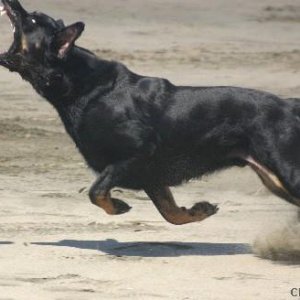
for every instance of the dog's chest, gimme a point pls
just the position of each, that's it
(93, 148)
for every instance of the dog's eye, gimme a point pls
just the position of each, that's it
(33, 21)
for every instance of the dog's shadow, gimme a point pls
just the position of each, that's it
(155, 249)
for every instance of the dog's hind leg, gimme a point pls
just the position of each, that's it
(100, 193)
(166, 205)
(272, 181)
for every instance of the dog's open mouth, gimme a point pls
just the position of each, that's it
(15, 12)
(6, 10)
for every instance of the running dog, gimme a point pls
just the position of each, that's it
(145, 133)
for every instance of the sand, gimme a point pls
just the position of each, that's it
(55, 245)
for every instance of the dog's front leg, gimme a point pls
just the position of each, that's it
(166, 205)
(100, 191)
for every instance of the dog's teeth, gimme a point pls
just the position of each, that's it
(2, 10)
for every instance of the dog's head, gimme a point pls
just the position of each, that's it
(40, 42)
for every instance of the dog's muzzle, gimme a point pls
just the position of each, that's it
(16, 13)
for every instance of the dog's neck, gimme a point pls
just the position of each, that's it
(86, 77)
(82, 72)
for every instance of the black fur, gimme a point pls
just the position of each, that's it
(137, 131)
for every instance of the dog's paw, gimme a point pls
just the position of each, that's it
(120, 206)
(202, 209)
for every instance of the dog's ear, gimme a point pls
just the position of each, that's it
(65, 38)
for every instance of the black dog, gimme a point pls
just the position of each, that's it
(145, 133)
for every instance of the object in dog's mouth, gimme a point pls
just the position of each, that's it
(3, 12)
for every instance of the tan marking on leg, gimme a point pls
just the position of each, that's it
(106, 203)
(181, 216)
(110, 205)
(166, 205)
(271, 181)
(266, 172)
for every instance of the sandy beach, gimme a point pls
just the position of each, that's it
(54, 244)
